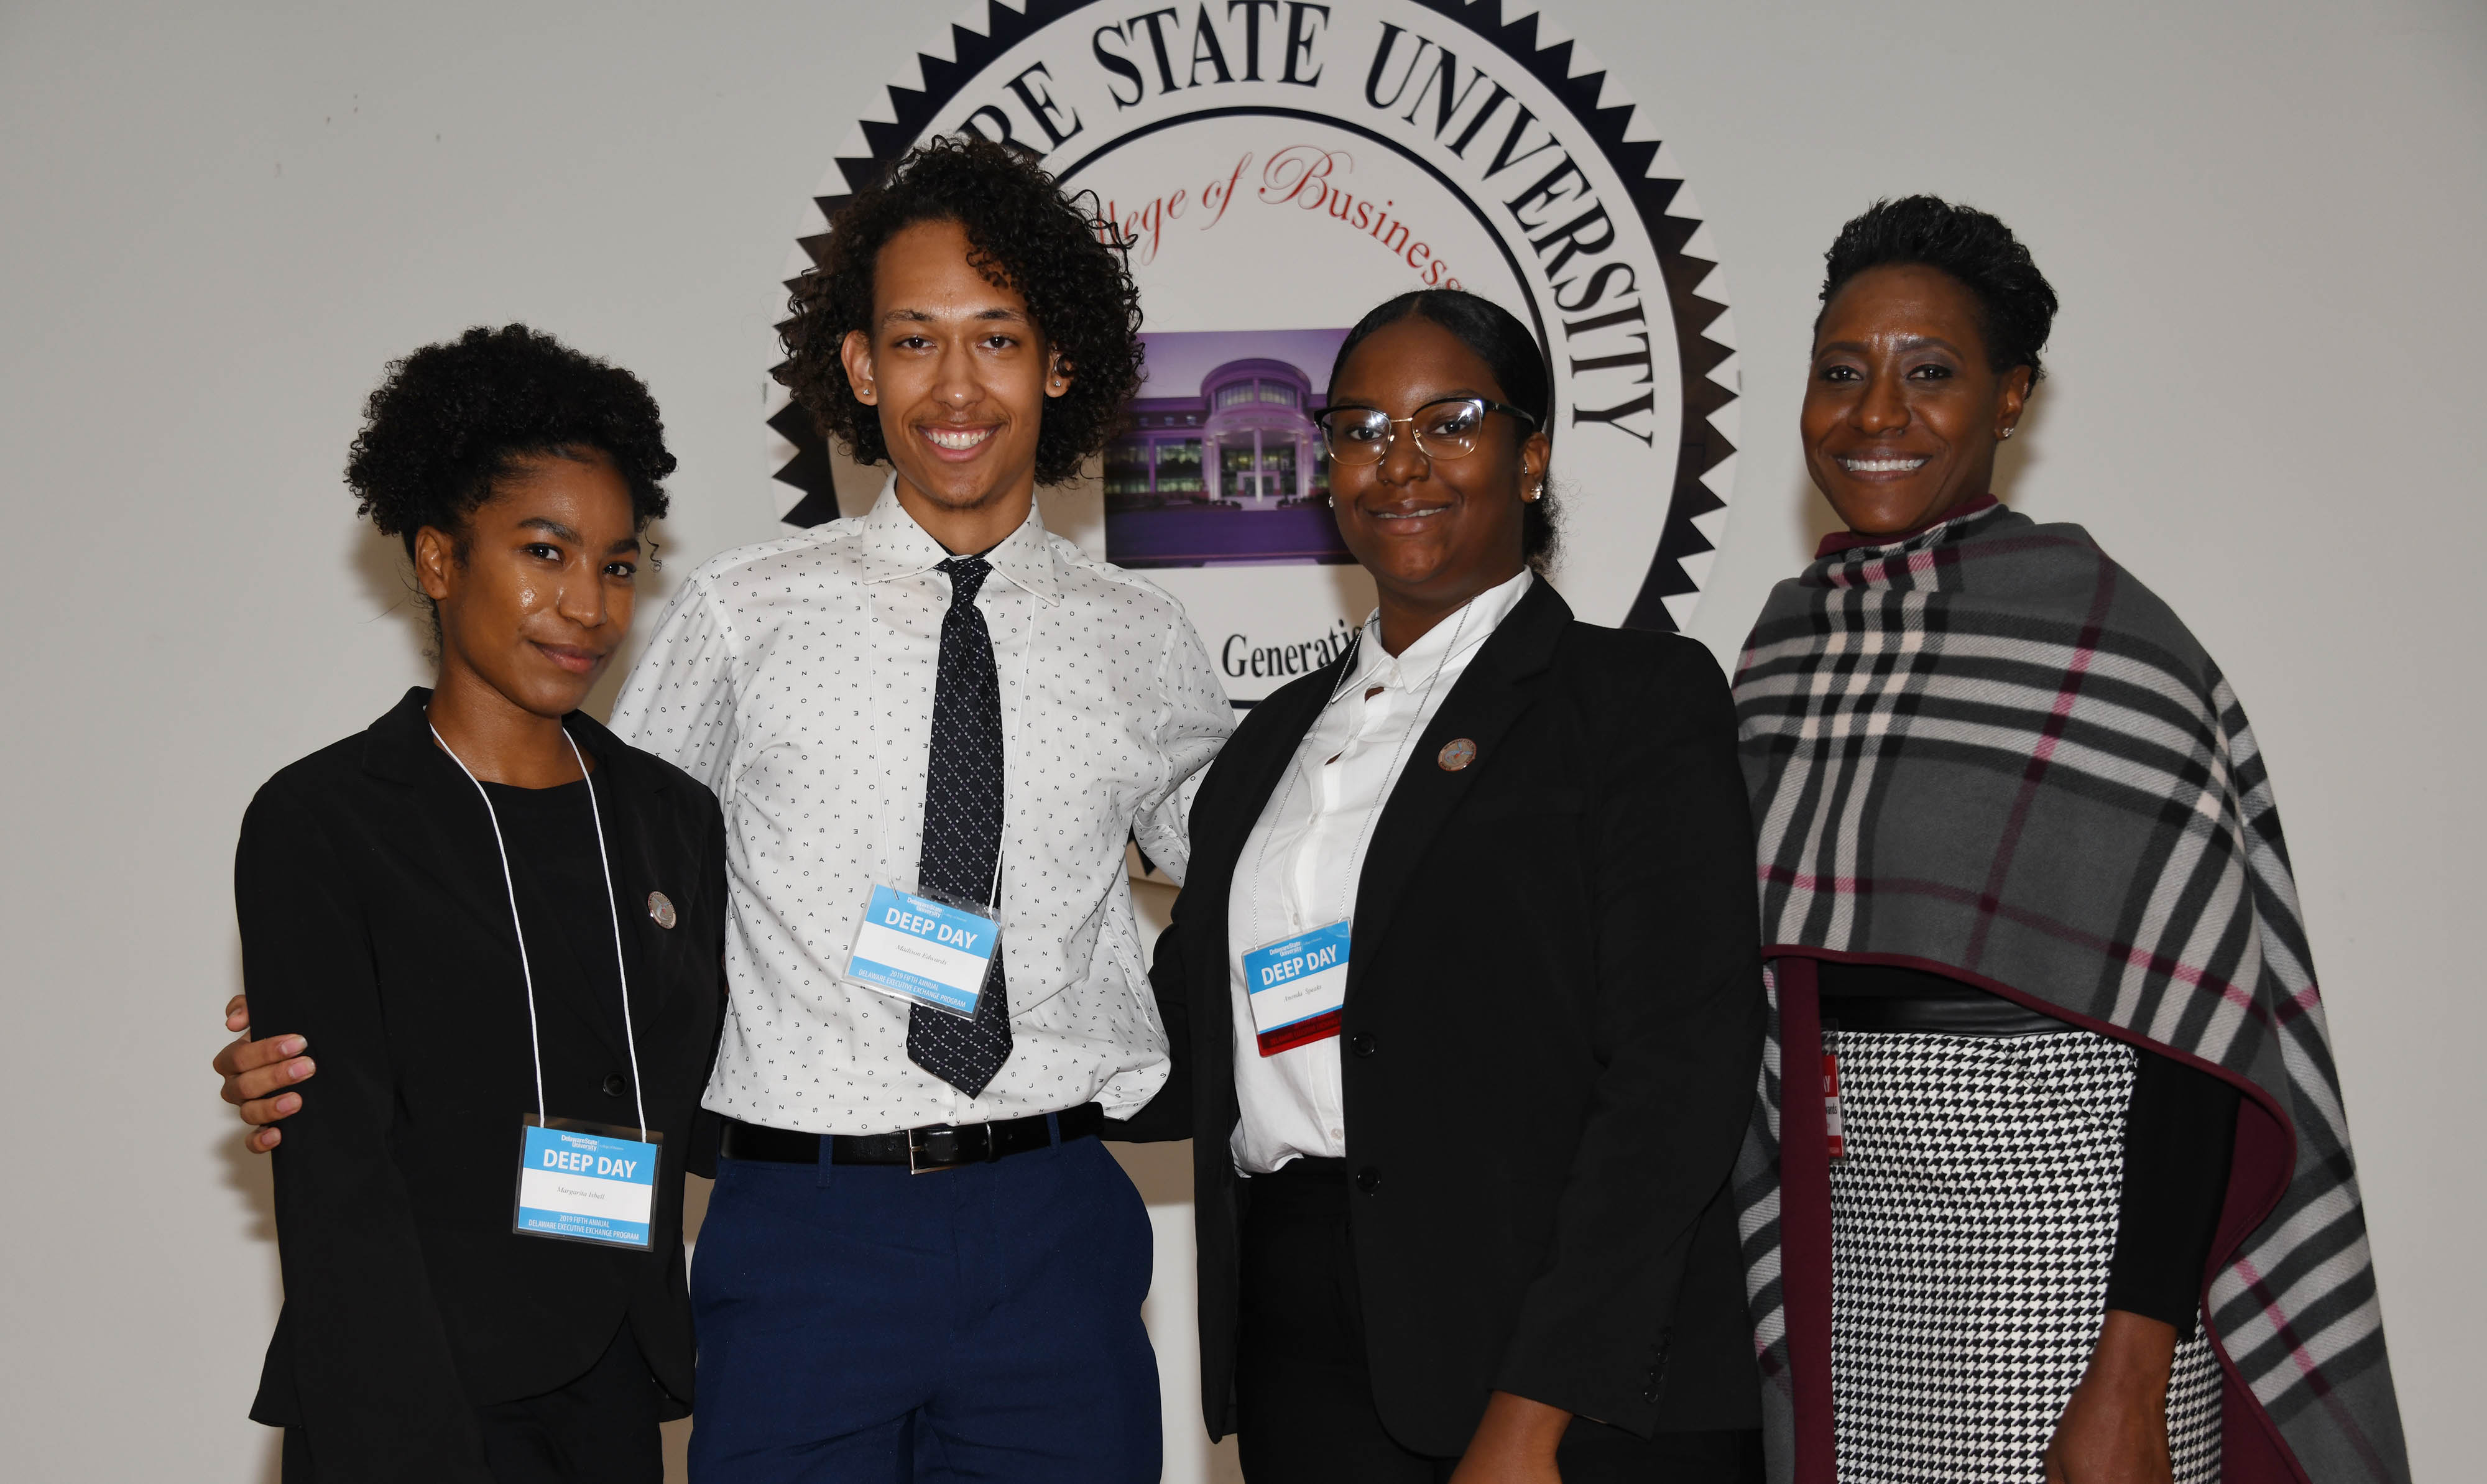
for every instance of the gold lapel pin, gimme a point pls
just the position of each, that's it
(660, 909)
(1457, 753)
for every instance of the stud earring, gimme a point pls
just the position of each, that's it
(2008, 432)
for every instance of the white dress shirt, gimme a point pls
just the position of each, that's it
(796, 679)
(1303, 860)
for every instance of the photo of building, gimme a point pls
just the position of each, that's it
(1221, 463)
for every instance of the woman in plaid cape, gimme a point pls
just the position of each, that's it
(2016, 837)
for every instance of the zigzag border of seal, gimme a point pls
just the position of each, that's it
(1705, 446)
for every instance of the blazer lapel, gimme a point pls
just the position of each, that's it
(401, 750)
(628, 789)
(1494, 693)
(570, 954)
(1265, 754)
(1259, 756)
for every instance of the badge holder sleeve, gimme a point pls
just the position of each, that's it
(586, 1182)
(1296, 987)
(929, 949)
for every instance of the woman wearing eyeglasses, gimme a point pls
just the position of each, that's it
(1463, 989)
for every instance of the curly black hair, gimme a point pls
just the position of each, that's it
(1511, 352)
(451, 419)
(2016, 304)
(1023, 235)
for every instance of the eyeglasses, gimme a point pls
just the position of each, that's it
(1443, 429)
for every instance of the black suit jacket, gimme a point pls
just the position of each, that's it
(375, 922)
(1553, 1028)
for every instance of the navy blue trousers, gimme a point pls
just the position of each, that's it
(857, 1323)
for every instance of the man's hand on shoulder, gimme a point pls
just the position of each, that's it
(258, 1076)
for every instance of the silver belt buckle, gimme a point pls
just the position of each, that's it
(925, 1155)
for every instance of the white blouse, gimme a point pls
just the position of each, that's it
(1301, 863)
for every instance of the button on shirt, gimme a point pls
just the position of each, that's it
(1303, 860)
(796, 679)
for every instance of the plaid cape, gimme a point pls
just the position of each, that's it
(1986, 750)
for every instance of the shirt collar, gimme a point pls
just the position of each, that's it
(1470, 627)
(895, 547)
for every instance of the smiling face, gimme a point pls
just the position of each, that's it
(959, 372)
(1902, 412)
(1433, 533)
(539, 598)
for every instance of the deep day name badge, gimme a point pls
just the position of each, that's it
(924, 951)
(1299, 986)
(584, 1182)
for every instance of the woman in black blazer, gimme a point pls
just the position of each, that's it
(1463, 1208)
(480, 912)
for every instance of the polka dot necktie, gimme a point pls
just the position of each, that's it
(962, 828)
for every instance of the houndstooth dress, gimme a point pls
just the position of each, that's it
(1974, 1215)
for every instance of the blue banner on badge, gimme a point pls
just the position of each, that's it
(586, 1186)
(919, 949)
(1299, 986)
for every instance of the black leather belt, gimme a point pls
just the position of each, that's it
(934, 1147)
(1973, 1012)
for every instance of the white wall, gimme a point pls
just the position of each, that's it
(216, 222)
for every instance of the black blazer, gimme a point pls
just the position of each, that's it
(375, 922)
(1554, 1023)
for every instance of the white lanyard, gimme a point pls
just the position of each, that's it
(1010, 741)
(535, 1038)
(1347, 884)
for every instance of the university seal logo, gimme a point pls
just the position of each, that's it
(1281, 166)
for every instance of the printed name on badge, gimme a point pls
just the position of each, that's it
(924, 951)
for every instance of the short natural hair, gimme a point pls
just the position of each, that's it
(2016, 304)
(1519, 364)
(449, 421)
(1023, 235)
